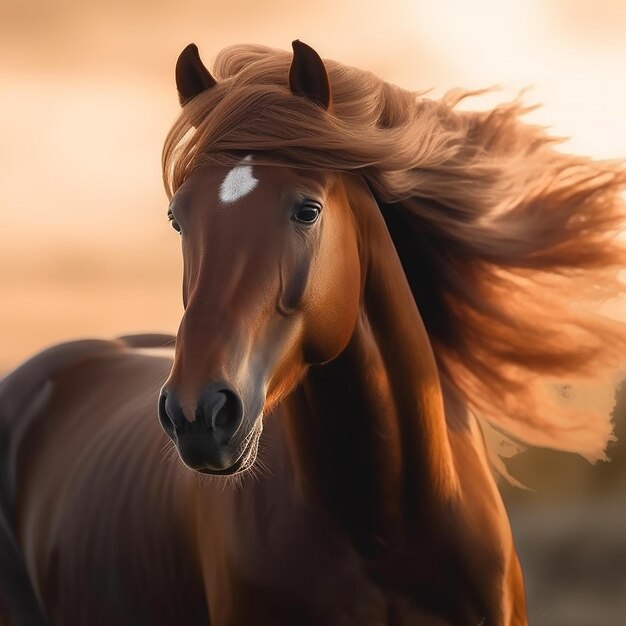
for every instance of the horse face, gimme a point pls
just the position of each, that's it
(271, 285)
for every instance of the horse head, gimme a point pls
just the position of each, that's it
(272, 283)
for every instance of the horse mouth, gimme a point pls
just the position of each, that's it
(248, 450)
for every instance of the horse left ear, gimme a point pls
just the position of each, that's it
(192, 77)
(308, 76)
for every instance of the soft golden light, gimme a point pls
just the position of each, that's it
(87, 96)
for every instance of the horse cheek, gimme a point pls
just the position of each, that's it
(332, 303)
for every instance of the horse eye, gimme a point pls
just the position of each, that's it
(308, 213)
(173, 222)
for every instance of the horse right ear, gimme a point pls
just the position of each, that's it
(308, 76)
(192, 77)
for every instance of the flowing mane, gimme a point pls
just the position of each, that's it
(504, 240)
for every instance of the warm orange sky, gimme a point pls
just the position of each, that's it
(87, 95)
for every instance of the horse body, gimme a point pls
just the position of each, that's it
(115, 534)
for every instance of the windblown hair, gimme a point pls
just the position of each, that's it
(504, 240)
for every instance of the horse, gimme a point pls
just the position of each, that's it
(370, 279)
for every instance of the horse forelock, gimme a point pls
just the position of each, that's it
(503, 239)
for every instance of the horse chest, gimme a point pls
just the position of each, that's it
(299, 569)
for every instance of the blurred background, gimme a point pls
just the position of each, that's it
(87, 95)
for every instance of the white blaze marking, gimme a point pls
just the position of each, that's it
(239, 182)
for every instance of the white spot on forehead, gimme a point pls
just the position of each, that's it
(239, 182)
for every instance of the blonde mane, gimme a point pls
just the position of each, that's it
(505, 241)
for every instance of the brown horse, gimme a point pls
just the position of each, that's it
(363, 270)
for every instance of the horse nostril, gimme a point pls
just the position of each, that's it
(171, 414)
(164, 418)
(220, 408)
(228, 412)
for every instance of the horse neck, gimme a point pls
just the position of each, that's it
(367, 432)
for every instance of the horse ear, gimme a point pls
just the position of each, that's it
(308, 76)
(192, 77)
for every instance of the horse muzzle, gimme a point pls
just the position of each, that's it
(217, 438)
